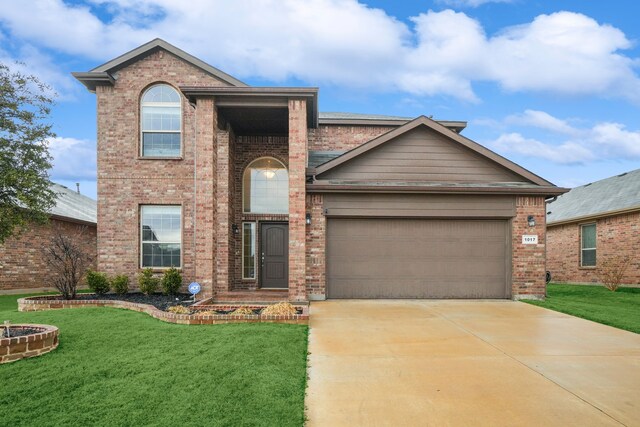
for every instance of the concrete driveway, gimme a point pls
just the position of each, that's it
(457, 363)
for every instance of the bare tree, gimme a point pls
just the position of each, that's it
(67, 260)
(612, 271)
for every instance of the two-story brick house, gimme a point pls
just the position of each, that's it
(254, 194)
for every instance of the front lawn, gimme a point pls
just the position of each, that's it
(121, 368)
(620, 309)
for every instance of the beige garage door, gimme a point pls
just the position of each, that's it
(417, 258)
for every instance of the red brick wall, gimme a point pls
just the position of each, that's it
(339, 137)
(22, 265)
(615, 235)
(315, 234)
(125, 181)
(528, 261)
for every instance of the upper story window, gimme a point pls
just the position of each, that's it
(265, 186)
(588, 245)
(160, 121)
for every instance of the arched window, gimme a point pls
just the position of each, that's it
(265, 187)
(160, 121)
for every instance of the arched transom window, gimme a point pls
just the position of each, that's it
(160, 121)
(266, 187)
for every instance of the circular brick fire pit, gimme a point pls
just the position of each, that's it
(42, 339)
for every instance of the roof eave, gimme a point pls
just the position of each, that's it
(346, 188)
(590, 217)
(456, 126)
(259, 96)
(92, 79)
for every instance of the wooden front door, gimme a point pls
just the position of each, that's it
(274, 255)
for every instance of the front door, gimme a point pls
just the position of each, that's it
(274, 255)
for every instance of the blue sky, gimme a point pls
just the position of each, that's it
(552, 85)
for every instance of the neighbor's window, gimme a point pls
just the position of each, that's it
(249, 250)
(588, 238)
(160, 122)
(266, 187)
(160, 227)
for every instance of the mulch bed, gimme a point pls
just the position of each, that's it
(160, 301)
(17, 332)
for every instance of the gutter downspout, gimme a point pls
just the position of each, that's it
(195, 185)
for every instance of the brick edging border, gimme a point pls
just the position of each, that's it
(16, 348)
(45, 303)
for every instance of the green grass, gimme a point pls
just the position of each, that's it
(121, 368)
(620, 309)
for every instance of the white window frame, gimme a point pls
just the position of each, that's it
(142, 241)
(255, 267)
(160, 104)
(595, 248)
(244, 209)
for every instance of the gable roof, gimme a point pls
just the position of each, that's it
(102, 74)
(614, 195)
(431, 124)
(73, 205)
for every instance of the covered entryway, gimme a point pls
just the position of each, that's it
(417, 258)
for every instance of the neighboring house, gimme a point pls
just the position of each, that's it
(22, 264)
(256, 195)
(592, 223)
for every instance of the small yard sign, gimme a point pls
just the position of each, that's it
(194, 288)
(529, 239)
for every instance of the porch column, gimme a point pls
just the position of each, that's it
(222, 216)
(204, 189)
(297, 169)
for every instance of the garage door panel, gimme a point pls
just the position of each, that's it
(416, 258)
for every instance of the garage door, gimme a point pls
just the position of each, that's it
(417, 258)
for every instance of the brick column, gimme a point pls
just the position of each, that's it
(528, 276)
(316, 232)
(297, 168)
(222, 218)
(205, 193)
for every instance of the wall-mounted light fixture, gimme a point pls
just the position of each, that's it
(235, 229)
(308, 219)
(531, 220)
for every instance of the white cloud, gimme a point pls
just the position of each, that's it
(471, 3)
(31, 61)
(542, 120)
(602, 141)
(343, 42)
(565, 153)
(73, 159)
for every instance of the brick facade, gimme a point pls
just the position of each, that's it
(342, 137)
(125, 181)
(206, 181)
(22, 264)
(617, 235)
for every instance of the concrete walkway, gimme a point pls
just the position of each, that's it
(467, 363)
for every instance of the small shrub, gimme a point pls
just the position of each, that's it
(612, 271)
(97, 282)
(120, 284)
(178, 309)
(280, 309)
(171, 281)
(147, 283)
(242, 311)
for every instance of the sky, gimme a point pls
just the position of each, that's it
(552, 85)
